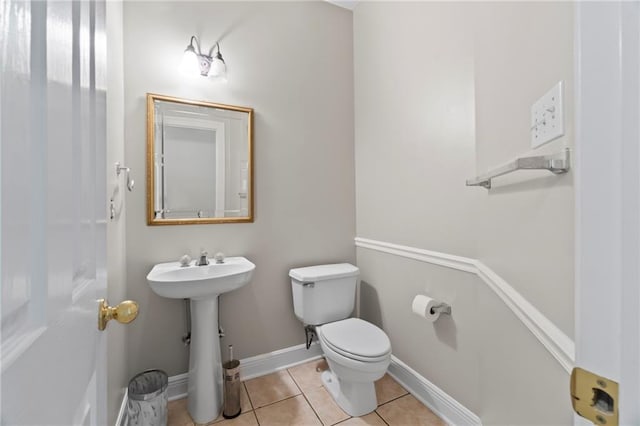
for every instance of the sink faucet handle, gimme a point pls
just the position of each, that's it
(203, 258)
(185, 260)
(219, 257)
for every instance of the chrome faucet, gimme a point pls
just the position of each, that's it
(203, 259)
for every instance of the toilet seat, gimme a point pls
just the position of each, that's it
(356, 339)
(358, 371)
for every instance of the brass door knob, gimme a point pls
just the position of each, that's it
(124, 313)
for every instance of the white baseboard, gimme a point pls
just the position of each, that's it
(264, 364)
(443, 405)
(178, 386)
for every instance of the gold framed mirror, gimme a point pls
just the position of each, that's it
(199, 162)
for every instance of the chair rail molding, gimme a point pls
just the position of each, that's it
(561, 347)
(460, 263)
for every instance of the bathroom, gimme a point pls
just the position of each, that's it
(368, 118)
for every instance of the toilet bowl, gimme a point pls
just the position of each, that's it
(353, 368)
(358, 352)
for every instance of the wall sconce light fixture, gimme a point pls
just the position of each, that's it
(194, 62)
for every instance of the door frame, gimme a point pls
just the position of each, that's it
(607, 197)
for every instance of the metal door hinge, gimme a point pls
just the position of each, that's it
(594, 397)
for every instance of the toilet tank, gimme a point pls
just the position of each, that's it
(324, 293)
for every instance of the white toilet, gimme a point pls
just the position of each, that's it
(358, 352)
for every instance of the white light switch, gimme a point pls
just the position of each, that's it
(547, 117)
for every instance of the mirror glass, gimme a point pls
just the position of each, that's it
(199, 162)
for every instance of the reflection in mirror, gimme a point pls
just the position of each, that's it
(199, 162)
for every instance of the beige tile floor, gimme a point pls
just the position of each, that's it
(296, 397)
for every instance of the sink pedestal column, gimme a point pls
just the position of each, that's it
(205, 367)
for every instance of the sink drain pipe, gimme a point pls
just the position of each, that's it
(186, 338)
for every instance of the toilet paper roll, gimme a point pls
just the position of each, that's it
(422, 305)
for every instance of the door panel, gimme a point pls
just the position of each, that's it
(52, 129)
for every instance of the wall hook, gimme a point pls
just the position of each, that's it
(120, 168)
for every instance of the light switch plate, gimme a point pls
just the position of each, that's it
(547, 117)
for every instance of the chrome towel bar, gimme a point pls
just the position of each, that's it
(555, 163)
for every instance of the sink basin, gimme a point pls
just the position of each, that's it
(202, 285)
(193, 282)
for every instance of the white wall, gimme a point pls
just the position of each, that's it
(527, 222)
(414, 129)
(292, 63)
(442, 93)
(117, 377)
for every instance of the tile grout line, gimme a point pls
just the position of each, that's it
(253, 409)
(275, 402)
(294, 380)
(248, 397)
(393, 399)
(380, 417)
(255, 416)
(313, 409)
(305, 398)
(350, 417)
(406, 392)
(311, 405)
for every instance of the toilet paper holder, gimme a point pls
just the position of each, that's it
(442, 308)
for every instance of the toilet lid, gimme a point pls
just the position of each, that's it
(356, 337)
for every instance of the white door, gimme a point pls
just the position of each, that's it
(608, 201)
(52, 127)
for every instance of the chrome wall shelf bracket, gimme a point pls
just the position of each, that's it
(555, 163)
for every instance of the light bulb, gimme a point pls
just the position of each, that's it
(190, 65)
(218, 68)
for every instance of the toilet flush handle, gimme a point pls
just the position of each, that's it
(311, 285)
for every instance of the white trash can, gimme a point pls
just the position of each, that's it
(147, 399)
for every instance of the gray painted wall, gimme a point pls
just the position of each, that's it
(442, 93)
(304, 177)
(527, 223)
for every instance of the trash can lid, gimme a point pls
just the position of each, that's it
(148, 385)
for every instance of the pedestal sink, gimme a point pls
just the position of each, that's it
(202, 285)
